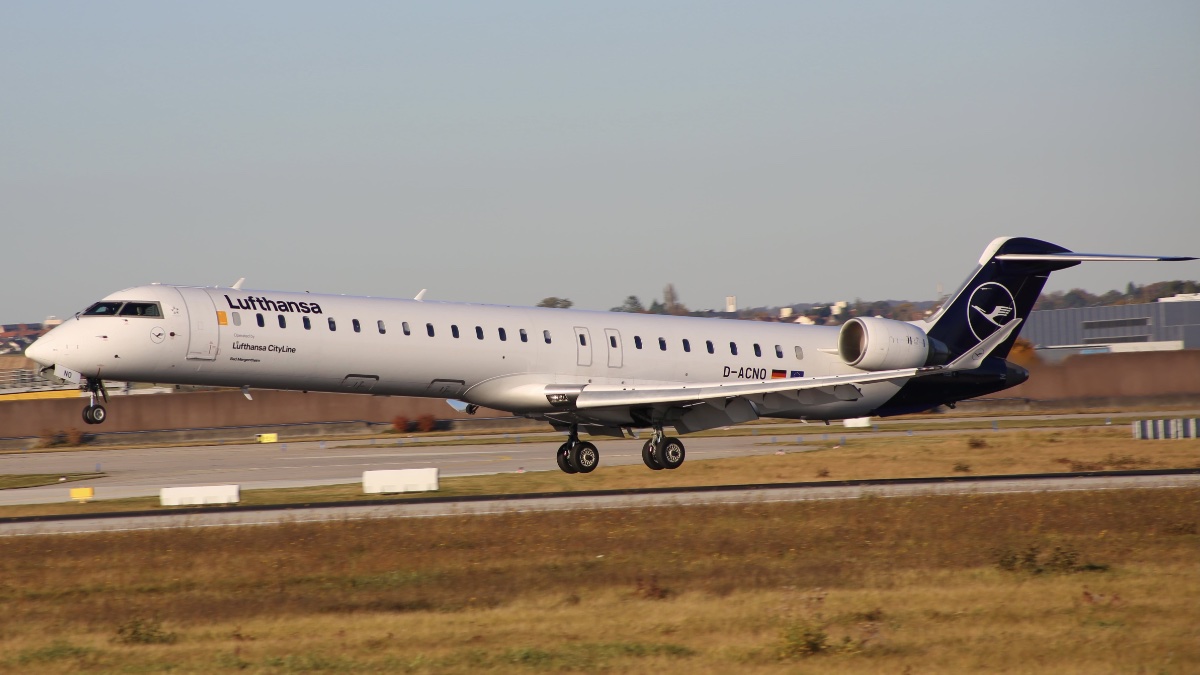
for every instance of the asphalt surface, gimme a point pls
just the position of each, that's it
(564, 503)
(144, 471)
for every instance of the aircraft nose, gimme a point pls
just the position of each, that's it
(41, 352)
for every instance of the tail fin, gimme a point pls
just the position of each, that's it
(1004, 286)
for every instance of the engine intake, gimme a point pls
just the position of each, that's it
(871, 343)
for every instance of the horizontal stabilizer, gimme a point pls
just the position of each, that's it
(1070, 256)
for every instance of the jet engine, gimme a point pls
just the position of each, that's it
(871, 343)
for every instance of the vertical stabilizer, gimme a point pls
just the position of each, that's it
(1003, 287)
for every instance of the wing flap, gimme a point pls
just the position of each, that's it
(840, 387)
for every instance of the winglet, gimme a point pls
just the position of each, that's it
(237, 285)
(420, 295)
(974, 358)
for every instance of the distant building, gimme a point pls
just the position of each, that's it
(1170, 323)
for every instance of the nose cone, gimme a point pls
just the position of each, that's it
(40, 352)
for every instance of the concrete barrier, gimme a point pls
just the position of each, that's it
(857, 422)
(1162, 429)
(400, 480)
(200, 495)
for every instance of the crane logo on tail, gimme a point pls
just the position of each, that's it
(990, 307)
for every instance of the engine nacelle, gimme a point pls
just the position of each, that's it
(871, 343)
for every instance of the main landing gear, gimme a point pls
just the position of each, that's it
(662, 452)
(95, 413)
(577, 456)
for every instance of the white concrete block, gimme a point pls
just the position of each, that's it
(857, 422)
(199, 495)
(392, 481)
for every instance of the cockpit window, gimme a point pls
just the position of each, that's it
(102, 309)
(140, 309)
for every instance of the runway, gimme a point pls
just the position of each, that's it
(612, 500)
(144, 471)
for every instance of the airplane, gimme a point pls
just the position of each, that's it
(603, 373)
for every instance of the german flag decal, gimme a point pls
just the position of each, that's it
(778, 374)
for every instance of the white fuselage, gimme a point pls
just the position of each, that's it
(495, 356)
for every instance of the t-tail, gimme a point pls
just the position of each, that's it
(1004, 287)
(1001, 290)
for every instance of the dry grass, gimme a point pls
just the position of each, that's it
(869, 585)
(24, 480)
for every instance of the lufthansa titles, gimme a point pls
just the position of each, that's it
(275, 349)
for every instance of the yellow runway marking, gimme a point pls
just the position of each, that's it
(34, 395)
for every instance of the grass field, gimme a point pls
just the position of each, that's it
(1058, 582)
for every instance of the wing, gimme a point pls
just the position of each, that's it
(593, 396)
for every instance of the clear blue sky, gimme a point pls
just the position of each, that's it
(504, 152)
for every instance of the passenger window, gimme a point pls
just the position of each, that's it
(687, 346)
(261, 322)
(140, 309)
(582, 340)
(429, 329)
(503, 335)
(454, 330)
(237, 319)
(382, 329)
(733, 348)
(757, 350)
(524, 336)
(637, 341)
(546, 335)
(282, 322)
(479, 332)
(332, 324)
(357, 326)
(779, 351)
(405, 328)
(709, 345)
(612, 341)
(799, 354)
(307, 323)
(102, 309)
(662, 344)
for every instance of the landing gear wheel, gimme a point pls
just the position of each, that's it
(670, 454)
(584, 457)
(94, 414)
(648, 456)
(564, 458)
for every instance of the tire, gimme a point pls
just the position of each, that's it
(99, 414)
(87, 416)
(564, 458)
(671, 454)
(648, 456)
(585, 457)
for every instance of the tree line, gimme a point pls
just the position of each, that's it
(830, 313)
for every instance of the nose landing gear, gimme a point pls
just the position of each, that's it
(95, 413)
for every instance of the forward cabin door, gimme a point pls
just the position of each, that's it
(583, 346)
(613, 337)
(202, 319)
